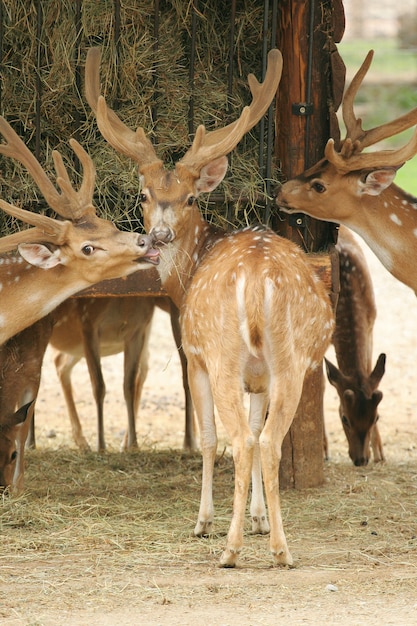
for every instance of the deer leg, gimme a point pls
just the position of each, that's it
(233, 416)
(92, 356)
(282, 408)
(190, 441)
(64, 363)
(135, 372)
(203, 402)
(376, 444)
(258, 408)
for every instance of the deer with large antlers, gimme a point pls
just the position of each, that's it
(355, 188)
(77, 251)
(253, 315)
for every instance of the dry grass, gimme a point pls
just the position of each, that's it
(148, 84)
(143, 506)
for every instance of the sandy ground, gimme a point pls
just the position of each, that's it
(301, 596)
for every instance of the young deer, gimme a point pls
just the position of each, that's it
(20, 372)
(254, 317)
(355, 380)
(355, 188)
(78, 251)
(95, 327)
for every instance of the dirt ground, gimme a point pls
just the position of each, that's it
(314, 592)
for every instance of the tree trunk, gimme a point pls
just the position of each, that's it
(309, 93)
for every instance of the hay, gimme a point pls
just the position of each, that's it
(143, 506)
(146, 81)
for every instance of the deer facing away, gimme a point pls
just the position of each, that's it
(253, 316)
(78, 251)
(355, 380)
(355, 188)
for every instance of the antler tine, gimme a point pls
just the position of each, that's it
(17, 149)
(370, 160)
(80, 202)
(46, 229)
(208, 146)
(68, 204)
(355, 132)
(126, 141)
(354, 128)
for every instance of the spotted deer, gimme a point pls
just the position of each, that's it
(97, 327)
(79, 327)
(77, 251)
(20, 373)
(356, 189)
(254, 317)
(355, 380)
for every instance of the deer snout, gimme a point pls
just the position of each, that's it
(162, 234)
(361, 462)
(149, 253)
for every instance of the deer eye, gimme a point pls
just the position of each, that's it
(345, 421)
(317, 186)
(142, 197)
(190, 201)
(88, 249)
(13, 456)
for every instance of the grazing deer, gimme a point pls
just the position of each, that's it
(355, 380)
(95, 327)
(77, 252)
(355, 188)
(253, 315)
(20, 372)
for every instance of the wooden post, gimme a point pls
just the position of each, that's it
(306, 103)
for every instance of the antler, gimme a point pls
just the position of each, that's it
(70, 204)
(206, 146)
(126, 141)
(47, 229)
(357, 139)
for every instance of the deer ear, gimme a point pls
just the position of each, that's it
(377, 181)
(39, 255)
(212, 175)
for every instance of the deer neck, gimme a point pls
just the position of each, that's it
(180, 259)
(388, 224)
(29, 293)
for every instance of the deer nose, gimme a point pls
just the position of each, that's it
(360, 462)
(145, 242)
(162, 234)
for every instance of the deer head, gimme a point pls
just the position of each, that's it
(203, 166)
(355, 188)
(81, 248)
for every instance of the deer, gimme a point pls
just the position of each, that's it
(254, 316)
(93, 327)
(21, 359)
(356, 189)
(77, 251)
(88, 327)
(355, 380)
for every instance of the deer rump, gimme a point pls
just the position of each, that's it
(245, 313)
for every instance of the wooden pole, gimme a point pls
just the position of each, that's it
(305, 120)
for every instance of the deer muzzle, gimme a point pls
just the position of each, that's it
(150, 253)
(162, 234)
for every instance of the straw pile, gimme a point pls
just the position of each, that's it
(145, 79)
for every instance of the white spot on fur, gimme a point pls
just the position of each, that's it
(394, 218)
